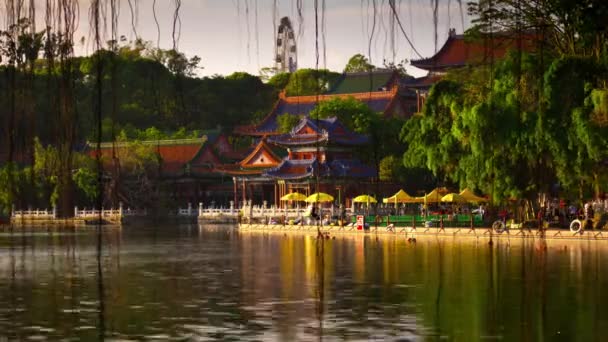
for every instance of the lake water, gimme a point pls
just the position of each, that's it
(194, 283)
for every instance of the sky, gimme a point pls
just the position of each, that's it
(238, 35)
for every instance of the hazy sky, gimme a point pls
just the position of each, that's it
(224, 33)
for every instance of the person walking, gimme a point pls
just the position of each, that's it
(589, 213)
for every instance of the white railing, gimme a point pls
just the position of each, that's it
(248, 210)
(114, 213)
(35, 214)
(84, 213)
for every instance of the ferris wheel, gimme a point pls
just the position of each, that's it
(286, 59)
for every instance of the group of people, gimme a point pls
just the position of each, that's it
(314, 215)
(564, 213)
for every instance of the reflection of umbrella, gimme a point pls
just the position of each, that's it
(319, 197)
(471, 197)
(400, 197)
(294, 196)
(453, 198)
(365, 199)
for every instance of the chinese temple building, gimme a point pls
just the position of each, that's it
(186, 167)
(459, 51)
(248, 174)
(380, 90)
(320, 157)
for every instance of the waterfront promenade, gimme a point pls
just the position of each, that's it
(415, 233)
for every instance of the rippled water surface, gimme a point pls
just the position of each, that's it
(213, 283)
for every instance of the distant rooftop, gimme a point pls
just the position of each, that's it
(361, 82)
(459, 50)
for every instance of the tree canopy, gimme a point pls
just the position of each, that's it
(310, 82)
(358, 63)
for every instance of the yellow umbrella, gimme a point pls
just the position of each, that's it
(433, 196)
(365, 199)
(400, 197)
(453, 198)
(471, 197)
(419, 199)
(294, 196)
(319, 197)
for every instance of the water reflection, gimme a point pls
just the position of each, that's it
(186, 282)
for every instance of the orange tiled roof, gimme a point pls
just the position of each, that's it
(459, 51)
(174, 156)
(380, 101)
(261, 148)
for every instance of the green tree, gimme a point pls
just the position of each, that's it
(352, 113)
(358, 63)
(286, 122)
(279, 81)
(568, 27)
(85, 180)
(310, 82)
(390, 168)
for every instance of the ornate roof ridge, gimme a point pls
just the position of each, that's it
(442, 50)
(424, 63)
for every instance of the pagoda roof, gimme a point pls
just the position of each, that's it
(178, 157)
(312, 131)
(378, 101)
(174, 154)
(261, 156)
(459, 50)
(424, 82)
(174, 157)
(298, 169)
(256, 161)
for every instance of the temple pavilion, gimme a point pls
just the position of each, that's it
(381, 90)
(186, 169)
(316, 153)
(321, 156)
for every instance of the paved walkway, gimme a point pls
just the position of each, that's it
(407, 232)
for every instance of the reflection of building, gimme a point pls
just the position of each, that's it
(460, 51)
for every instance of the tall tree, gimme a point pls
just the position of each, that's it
(358, 63)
